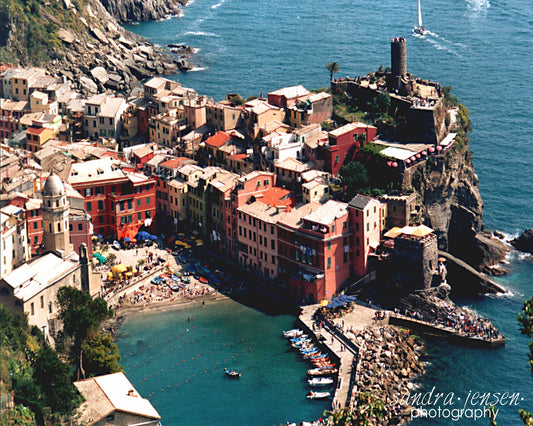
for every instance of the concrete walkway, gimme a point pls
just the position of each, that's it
(346, 354)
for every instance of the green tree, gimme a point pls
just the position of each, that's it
(81, 315)
(332, 67)
(366, 407)
(101, 355)
(354, 177)
(525, 319)
(53, 377)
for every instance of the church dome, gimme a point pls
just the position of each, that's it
(53, 186)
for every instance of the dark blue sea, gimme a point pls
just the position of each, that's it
(484, 49)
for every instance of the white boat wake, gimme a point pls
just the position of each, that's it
(200, 34)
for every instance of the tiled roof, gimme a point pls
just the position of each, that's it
(219, 139)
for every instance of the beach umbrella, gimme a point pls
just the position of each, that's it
(153, 237)
(127, 240)
(431, 149)
(394, 164)
(99, 236)
(119, 268)
(142, 236)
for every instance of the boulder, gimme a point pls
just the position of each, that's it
(88, 84)
(99, 35)
(67, 36)
(100, 74)
(524, 242)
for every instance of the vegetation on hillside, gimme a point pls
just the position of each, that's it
(37, 374)
(29, 30)
(90, 352)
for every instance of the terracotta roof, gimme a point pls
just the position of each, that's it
(276, 197)
(218, 139)
(35, 130)
(239, 156)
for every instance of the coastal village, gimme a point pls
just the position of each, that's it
(121, 197)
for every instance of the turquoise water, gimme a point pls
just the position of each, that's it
(480, 47)
(178, 364)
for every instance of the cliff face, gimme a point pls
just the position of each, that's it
(142, 10)
(81, 41)
(451, 204)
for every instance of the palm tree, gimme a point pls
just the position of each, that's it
(332, 68)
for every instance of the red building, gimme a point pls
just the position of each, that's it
(314, 249)
(116, 200)
(344, 143)
(142, 155)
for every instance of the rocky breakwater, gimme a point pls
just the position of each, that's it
(524, 242)
(99, 55)
(388, 364)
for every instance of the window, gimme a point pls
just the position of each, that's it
(42, 302)
(89, 206)
(130, 218)
(58, 227)
(336, 159)
(329, 245)
(100, 219)
(122, 206)
(80, 227)
(34, 225)
(139, 216)
(368, 227)
(258, 183)
(266, 182)
(273, 244)
(32, 308)
(35, 240)
(344, 225)
(329, 262)
(100, 205)
(129, 205)
(50, 307)
(333, 228)
(70, 227)
(147, 200)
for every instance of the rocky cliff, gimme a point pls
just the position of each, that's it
(82, 41)
(450, 203)
(142, 10)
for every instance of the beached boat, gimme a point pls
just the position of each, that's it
(318, 395)
(232, 373)
(321, 371)
(320, 381)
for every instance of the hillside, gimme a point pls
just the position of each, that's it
(82, 41)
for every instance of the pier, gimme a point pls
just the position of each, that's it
(445, 332)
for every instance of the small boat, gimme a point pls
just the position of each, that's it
(295, 332)
(203, 280)
(317, 395)
(419, 29)
(320, 356)
(320, 381)
(232, 373)
(321, 371)
(300, 338)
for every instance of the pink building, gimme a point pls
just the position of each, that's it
(257, 230)
(367, 216)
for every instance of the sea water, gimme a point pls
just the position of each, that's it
(480, 47)
(176, 359)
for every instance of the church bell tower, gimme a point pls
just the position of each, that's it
(55, 217)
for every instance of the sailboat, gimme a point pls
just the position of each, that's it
(419, 29)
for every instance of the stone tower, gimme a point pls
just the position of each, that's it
(55, 217)
(398, 53)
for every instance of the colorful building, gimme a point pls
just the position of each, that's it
(115, 199)
(367, 217)
(344, 143)
(314, 249)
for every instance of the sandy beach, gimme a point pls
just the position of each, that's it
(138, 294)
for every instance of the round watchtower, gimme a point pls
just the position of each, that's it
(398, 53)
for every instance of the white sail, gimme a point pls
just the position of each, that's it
(419, 15)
